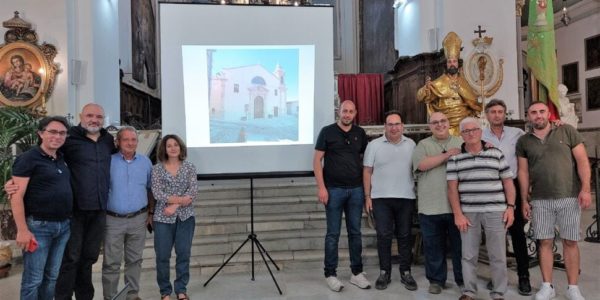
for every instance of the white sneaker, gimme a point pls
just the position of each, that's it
(334, 284)
(360, 281)
(573, 293)
(546, 292)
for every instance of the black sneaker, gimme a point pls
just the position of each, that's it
(408, 281)
(524, 286)
(383, 280)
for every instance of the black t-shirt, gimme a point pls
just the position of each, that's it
(343, 155)
(48, 196)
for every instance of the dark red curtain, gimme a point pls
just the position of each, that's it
(366, 91)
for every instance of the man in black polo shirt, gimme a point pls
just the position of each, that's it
(339, 148)
(42, 217)
(87, 151)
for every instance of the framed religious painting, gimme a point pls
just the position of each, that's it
(592, 52)
(570, 77)
(27, 70)
(22, 69)
(592, 87)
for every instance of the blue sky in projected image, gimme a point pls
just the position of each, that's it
(268, 58)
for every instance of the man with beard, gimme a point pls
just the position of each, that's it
(87, 153)
(553, 162)
(337, 165)
(450, 93)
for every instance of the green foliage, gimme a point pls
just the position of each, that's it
(17, 128)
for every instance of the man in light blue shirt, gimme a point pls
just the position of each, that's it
(129, 208)
(505, 138)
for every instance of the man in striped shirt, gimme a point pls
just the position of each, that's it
(481, 193)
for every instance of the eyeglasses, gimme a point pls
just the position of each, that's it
(440, 122)
(56, 132)
(470, 131)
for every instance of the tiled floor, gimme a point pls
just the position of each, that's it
(310, 284)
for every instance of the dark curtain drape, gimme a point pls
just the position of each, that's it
(366, 91)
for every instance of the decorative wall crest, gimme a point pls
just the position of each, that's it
(482, 69)
(27, 70)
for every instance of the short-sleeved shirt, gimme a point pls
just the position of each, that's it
(343, 155)
(432, 187)
(48, 195)
(552, 167)
(506, 143)
(391, 163)
(129, 183)
(479, 179)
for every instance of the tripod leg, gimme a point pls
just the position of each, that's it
(260, 250)
(253, 238)
(225, 263)
(260, 246)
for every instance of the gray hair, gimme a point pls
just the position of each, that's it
(468, 120)
(126, 128)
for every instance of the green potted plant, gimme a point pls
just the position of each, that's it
(17, 133)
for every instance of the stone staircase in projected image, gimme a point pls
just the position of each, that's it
(288, 220)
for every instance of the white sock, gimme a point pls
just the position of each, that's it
(571, 286)
(547, 284)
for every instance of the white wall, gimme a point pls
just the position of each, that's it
(85, 30)
(50, 23)
(570, 48)
(462, 17)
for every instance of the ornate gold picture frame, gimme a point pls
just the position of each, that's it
(27, 70)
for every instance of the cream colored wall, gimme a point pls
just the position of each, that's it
(50, 23)
(84, 30)
(498, 18)
(569, 49)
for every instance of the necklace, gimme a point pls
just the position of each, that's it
(444, 146)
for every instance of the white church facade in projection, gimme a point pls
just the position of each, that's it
(248, 93)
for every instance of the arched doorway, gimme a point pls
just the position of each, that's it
(259, 108)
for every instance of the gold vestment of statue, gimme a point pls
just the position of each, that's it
(452, 97)
(450, 94)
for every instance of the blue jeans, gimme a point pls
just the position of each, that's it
(348, 201)
(180, 235)
(40, 268)
(393, 217)
(436, 231)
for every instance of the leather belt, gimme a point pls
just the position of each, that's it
(129, 215)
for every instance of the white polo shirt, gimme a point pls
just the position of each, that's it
(392, 168)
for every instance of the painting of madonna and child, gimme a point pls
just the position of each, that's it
(19, 80)
(251, 95)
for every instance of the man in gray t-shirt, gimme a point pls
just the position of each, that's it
(389, 193)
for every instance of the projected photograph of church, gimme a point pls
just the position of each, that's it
(253, 95)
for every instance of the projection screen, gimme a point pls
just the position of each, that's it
(247, 87)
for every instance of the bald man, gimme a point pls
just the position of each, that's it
(337, 165)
